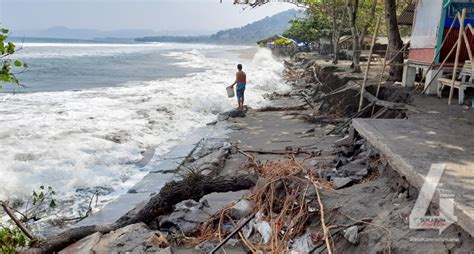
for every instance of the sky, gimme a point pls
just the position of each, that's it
(158, 15)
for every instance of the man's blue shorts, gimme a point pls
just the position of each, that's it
(240, 90)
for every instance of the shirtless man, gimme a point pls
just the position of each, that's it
(240, 81)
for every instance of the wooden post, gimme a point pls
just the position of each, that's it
(374, 39)
(440, 67)
(468, 46)
(458, 52)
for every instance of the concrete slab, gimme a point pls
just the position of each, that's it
(165, 166)
(152, 183)
(115, 209)
(218, 201)
(412, 146)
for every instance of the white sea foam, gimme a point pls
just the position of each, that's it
(68, 50)
(63, 139)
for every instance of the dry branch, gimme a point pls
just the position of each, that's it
(12, 216)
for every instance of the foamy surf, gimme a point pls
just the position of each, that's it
(90, 139)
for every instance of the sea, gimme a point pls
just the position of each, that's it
(87, 111)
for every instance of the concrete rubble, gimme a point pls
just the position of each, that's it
(136, 238)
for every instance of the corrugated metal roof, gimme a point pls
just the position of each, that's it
(407, 16)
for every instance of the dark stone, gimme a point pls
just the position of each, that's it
(341, 182)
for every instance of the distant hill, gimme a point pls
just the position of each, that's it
(65, 33)
(248, 34)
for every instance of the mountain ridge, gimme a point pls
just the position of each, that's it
(247, 34)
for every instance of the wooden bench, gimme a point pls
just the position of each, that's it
(465, 80)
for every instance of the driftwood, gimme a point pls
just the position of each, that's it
(285, 152)
(193, 187)
(289, 108)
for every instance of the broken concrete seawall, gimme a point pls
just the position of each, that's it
(162, 169)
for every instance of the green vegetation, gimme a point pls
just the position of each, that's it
(309, 29)
(11, 238)
(37, 206)
(7, 49)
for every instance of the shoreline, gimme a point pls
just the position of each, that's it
(165, 166)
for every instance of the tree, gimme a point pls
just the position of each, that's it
(352, 10)
(309, 29)
(7, 64)
(395, 43)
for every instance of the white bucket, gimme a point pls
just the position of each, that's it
(230, 92)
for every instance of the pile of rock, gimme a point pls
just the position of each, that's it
(355, 161)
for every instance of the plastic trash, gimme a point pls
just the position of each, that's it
(352, 234)
(302, 244)
(230, 92)
(263, 228)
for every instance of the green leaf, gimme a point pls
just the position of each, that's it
(11, 48)
(5, 31)
(18, 63)
(52, 204)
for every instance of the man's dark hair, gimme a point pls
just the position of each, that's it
(239, 66)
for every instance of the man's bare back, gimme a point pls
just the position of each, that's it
(241, 77)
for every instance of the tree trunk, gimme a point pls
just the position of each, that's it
(365, 31)
(352, 10)
(194, 187)
(395, 42)
(335, 36)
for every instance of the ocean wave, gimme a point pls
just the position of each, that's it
(87, 139)
(70, 50)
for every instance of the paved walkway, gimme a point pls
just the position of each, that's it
(441, 134)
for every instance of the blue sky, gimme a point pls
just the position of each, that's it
(158, 15)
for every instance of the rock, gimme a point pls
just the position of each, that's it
(347, 140)
(83, 246)
(232, 114)
(135, 238)
(341, 182)
(352, 234)
(347, 151)
(355, 170)
(241, 209)
(187, 216)
(237, 113)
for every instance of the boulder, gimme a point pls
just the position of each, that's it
(341, 182)
(133, 239)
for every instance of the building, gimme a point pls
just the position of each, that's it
(431, 21)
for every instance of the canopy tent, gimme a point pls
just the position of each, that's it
(277, 40)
